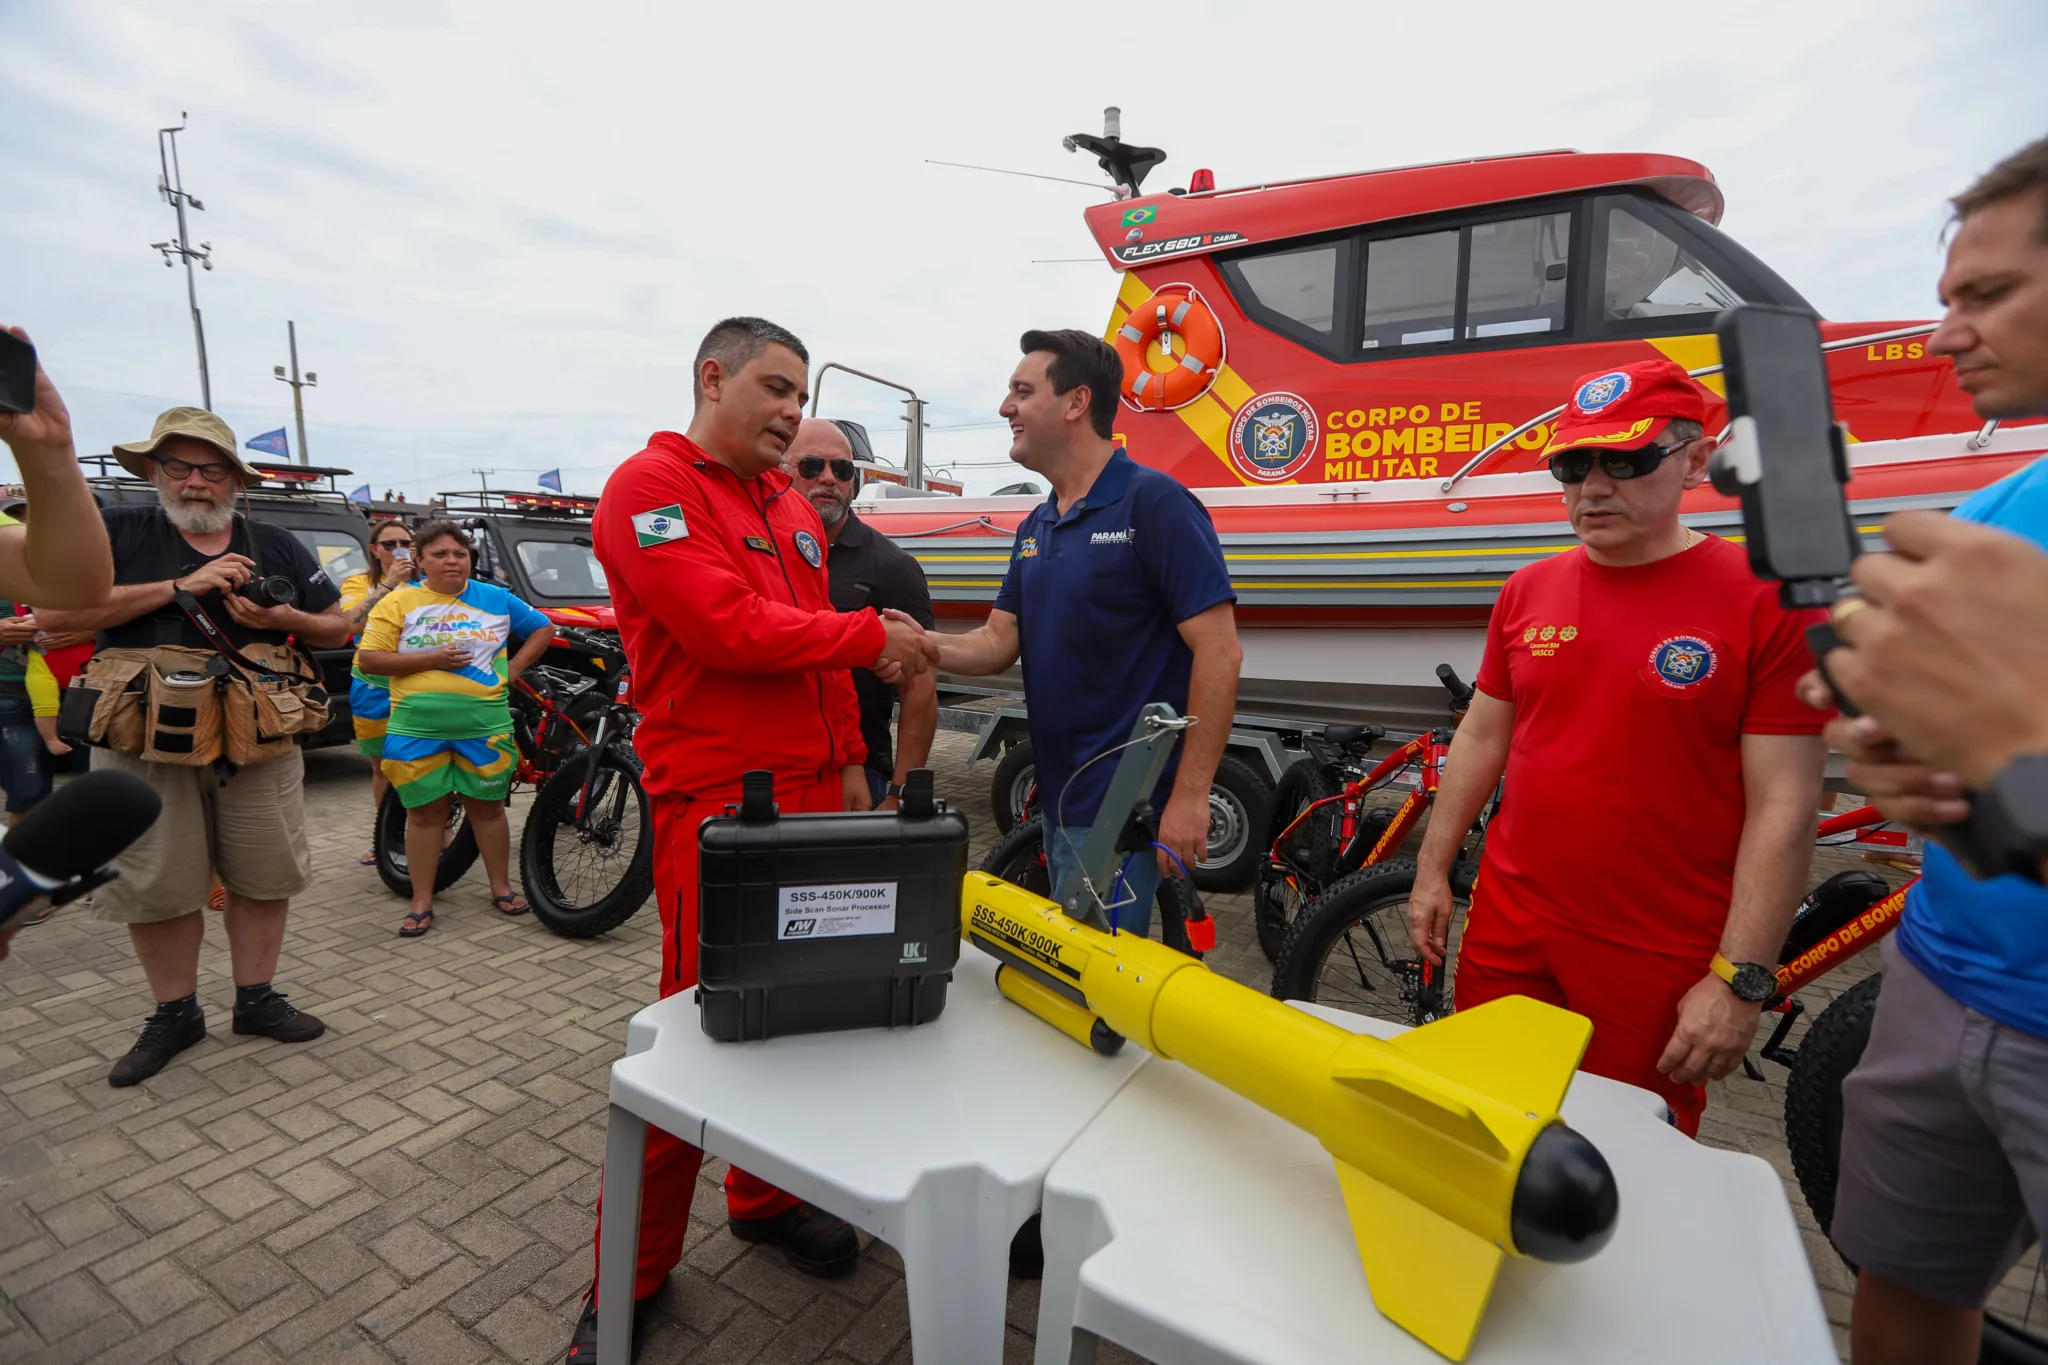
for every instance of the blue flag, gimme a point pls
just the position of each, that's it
(552, 479)
(361, 494)
(271, 443)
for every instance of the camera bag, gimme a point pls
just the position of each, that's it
(813, 923)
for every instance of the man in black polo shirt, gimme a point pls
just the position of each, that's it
(249, 824)
(867, 569)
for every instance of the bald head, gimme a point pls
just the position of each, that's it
(829, 492)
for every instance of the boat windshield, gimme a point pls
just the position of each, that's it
(565, 569)
(1651, 276)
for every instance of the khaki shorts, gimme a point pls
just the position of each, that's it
(1944, 1180)
(252, 829)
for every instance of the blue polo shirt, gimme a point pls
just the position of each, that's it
(1986, 943)
(1099, 595)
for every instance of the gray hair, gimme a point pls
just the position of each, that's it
(735, 342)
(1682, 431)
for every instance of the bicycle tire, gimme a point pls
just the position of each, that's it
(1276, 903)
(388, 844)
(1019, 859)
(553, 812)
(1365, 898)
(1833, 1044)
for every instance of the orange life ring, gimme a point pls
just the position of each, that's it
(1183, 327)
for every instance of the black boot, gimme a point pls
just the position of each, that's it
(815, 1242)
(166, 1034)
(583, 1346)
(272, 1016)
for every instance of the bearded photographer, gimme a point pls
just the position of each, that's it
(186, 563)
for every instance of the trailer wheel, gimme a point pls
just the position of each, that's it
(1240, 806)
(1010, 791)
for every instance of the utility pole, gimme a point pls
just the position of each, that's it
(171, 185)
(483, 477)
(291, 331)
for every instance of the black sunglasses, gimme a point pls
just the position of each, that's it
(1621, 465)
(811, 466)
(182, 469)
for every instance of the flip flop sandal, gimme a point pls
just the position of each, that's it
(368, 859)
(505, 906)
(421, 921)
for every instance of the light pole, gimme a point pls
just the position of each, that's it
(171, 185)
(311, 380)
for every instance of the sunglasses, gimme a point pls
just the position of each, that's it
(390, 541)
(1622, 465)
(811, 466)
(182, 469)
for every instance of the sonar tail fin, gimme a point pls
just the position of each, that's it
(1426, 1273)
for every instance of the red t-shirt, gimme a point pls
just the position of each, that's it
(1632, 690)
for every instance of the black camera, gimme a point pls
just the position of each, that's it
(269, 590)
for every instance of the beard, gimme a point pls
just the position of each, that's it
(195, 516)
(831, 510)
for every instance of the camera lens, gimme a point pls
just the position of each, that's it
(270, 590)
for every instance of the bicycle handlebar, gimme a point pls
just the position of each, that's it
(1461, 693)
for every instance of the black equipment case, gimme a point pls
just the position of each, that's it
(811, 923)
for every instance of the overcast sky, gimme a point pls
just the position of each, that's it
(502, 227)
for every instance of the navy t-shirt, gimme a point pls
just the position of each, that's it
(1099, 595)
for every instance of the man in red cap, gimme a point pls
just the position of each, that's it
(717, 571)
(1638, 692)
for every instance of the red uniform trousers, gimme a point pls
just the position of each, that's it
(670, 1178)
(1630, 994)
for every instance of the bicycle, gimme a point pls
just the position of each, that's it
(559, 714)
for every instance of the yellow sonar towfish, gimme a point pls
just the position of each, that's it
(1449, 1149)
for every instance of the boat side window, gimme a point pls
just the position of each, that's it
(1651, 276)
(1299, 284)
(1515, 280)
(1411, 291)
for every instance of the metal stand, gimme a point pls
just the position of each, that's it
(1137, 776)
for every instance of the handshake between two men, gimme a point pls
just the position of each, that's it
(907, 651)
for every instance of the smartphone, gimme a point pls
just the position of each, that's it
(17, 374)
(1784, 456)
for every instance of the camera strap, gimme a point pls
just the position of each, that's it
(218, 641)
(176, 558)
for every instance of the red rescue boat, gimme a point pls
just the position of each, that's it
(1368, 371)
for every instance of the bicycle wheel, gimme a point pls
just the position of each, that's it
(1019, 859)
(457, 855)
(587, 860)
(1351, 949)
(1287, 884)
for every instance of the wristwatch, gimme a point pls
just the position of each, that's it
(2011, 819)
(894, 789)
(1751, 981)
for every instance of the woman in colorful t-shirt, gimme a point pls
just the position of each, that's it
(369, 697)
(443, 642)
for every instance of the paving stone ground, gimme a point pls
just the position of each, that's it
(417, 1186)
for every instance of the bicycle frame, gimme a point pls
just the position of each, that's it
(1429, 750)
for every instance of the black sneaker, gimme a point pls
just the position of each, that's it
(163, 1037)
(815, 1242)
(275, 1017)
(1027, 1251)
(583, 1346)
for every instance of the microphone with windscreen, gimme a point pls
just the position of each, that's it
(60, 850)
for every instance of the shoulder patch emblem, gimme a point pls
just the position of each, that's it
(661, 524)
(760, 543)
(807, 546)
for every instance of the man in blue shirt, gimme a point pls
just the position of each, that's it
(1116, 596)
(1944, 1156)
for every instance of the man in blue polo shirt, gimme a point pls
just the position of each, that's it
(1944, 1156)
(1116, 596)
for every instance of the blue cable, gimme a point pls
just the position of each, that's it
(1171, 854)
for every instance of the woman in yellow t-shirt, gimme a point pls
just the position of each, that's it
(369, 696)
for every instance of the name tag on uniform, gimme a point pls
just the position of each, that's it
(760, 543)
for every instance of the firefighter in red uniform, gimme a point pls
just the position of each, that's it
(717, 573)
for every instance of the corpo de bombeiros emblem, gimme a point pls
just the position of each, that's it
(1273, 437)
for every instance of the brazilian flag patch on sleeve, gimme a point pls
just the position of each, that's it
(661, 524)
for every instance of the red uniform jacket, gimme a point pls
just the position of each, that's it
(738, 659)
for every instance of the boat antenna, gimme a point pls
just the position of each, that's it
(1125, 163)
(998, 170)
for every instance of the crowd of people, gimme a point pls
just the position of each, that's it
(1649, 895)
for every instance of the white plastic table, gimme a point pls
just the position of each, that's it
(1190, 1226)
(936, 1139)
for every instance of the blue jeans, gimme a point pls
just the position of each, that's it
(24, 763)
(1133, 894)
(878, 785)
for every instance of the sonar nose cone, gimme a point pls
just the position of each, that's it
(1565, 1199)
